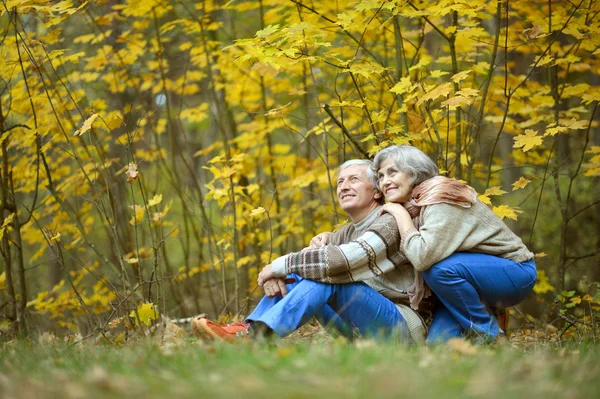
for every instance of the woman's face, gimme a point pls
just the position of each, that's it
(395, 185)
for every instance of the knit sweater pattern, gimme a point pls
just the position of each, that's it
(475, 229)
(367, 251)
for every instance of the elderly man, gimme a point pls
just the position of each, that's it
(359, 282)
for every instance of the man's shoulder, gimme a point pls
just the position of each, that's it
(385, 224)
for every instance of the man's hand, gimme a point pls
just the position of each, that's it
(320, 240)
(265, 275)
(274, 287)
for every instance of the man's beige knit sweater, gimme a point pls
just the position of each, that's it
(367, 251)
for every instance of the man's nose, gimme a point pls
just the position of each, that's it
(344, 185)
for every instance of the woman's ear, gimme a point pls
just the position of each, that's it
(377, 194)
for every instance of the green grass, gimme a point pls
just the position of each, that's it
(297, 370)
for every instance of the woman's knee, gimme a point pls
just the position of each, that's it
(446, 268)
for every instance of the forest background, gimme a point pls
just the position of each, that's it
(157, 154)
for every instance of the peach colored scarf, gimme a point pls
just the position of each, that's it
(437, 190)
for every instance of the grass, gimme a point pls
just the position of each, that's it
(297, 369)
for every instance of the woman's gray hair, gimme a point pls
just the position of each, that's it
(372, 176)
(408, 159)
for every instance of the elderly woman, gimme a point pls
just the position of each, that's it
(469, 258)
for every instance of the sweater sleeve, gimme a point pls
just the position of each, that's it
(363, 258)
(445, 228)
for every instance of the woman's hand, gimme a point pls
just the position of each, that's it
(393, 209)
(320, 240)
(401, 215)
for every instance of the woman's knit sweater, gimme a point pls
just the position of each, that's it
(445, 229)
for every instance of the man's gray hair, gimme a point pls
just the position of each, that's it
(363, 162)
(408, 159)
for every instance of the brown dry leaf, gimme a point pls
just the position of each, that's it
(132, 172)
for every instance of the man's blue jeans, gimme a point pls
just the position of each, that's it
(468, 283)
(345, 307)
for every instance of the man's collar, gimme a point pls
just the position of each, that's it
(369, 219)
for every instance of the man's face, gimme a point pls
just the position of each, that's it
(354, 189)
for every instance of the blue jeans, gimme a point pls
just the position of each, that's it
(443, 327)
(345, 307)
(468, 283)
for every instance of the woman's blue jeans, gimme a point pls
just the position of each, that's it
(468, 283)
(345, 308)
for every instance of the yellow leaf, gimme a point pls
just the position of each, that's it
(521, 183)
(5, 224)
(485, 199)
(3, 281)
(86, 125)
(267, 31)
(404, 86)
(258, 211)
(575, 124)
(540, 255)
(505, 211)
(494, 191)
(468, 92)
(146, 313)
(456, 101)
(157, 199)
(440, 91)
(460, 76)
(528, 140)
(542, 284)
(139, 215)
(438, 73)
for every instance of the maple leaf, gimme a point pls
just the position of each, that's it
(87, 125)
(438, 73)
(553, 131)
(505, 211)
(132, 172)
(157, 199)
(528, 140)
(521, 183)
(146, 313)
(494, 191)
(258, 211)
(403, 86)
(468, 92)
(267, 31)
(460, 76)
(456, 101)
(575, 124)
(440, 91)
(345, 20)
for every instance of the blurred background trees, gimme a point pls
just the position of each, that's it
(162, 152)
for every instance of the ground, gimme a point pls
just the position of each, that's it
(305, 365)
